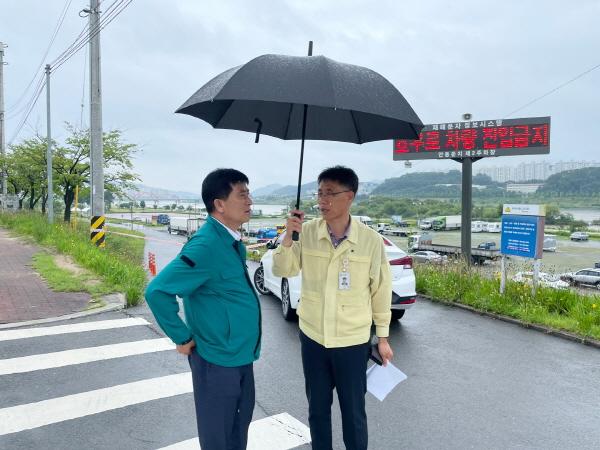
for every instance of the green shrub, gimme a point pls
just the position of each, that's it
(562, 309)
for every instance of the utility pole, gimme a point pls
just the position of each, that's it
(96, 150)
(3, 178)
(49, 150)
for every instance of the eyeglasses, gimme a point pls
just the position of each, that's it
(327, 195)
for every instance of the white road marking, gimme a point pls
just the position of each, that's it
(82, 355)
(9, 335)
(33, 415)
(279, 432)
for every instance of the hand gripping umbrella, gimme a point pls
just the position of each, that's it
(307, 97)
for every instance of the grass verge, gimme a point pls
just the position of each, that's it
(561, 309)
(119, 265)
(63, 280)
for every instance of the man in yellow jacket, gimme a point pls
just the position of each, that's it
(346, 286)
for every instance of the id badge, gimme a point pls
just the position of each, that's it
(344, 281)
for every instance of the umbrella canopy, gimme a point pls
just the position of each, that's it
(310, 97)
(267, 95)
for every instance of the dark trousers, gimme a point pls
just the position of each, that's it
(344, 369)
(224, 398)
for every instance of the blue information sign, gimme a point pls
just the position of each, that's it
(522, 236)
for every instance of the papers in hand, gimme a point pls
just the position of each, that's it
(382, 379)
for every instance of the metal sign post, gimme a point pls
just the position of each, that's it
(523, 236)
(503, 274)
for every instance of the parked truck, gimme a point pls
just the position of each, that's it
(386, 229)
(365, 219)
(494, 227)
(424, 241)
(446, 223)
(478, 226)
(184, 226)
(425, 224)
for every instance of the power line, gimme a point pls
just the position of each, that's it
(83, 88)
(57, 28)
(111, 14)
(114, 10)
(31, 104)
(553, 90)
(25, 106)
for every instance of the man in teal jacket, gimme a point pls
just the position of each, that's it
(222, 329)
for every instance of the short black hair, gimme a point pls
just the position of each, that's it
(218, 185)
(342, 175)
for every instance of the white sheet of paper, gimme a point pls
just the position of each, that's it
(382, 379)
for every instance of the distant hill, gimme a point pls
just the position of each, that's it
(429, 184)
(267, 190)
(144, 192)
(573, 182)
(308, 190)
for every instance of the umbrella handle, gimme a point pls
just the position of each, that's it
(258, 128)
(295, 234)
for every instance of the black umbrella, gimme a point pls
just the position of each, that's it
(308, 97)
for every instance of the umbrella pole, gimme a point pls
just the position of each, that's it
(295, 235)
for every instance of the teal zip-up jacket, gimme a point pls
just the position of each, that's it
(222, 310)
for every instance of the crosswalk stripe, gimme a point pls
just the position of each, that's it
(279, 432)
(82, 355)
(33, 415)
(9, 335)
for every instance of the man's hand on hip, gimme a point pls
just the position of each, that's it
(186, 349)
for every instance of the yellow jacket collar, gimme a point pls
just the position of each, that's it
(323, 233)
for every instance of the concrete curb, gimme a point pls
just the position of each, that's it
(114, 302)
(533, 326)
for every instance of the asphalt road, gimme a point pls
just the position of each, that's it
(473, 382)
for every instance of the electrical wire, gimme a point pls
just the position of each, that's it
(83, 89)
(553, 90)
(31, 104)
(57, 28)
(112, 12)
(16, 113)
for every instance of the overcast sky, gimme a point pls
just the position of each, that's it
(447, 58)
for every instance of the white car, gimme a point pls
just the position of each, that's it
(288, 289)
(579, 236)
(428, 256)
(545, 279)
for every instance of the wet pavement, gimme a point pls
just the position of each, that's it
(473, 382)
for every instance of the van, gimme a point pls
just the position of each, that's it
(477, 226)
(494, 227)
(426, 224)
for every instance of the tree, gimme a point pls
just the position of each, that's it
(73, 165)
(26, 168)
(109, 198)
(142, 204)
